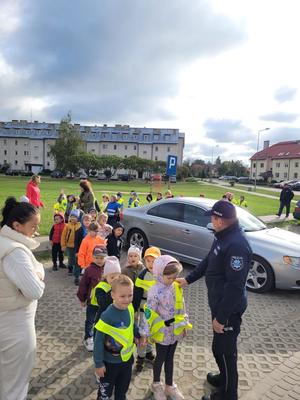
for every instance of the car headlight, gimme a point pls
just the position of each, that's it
(292, 261)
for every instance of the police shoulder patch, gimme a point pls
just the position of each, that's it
(236, 263)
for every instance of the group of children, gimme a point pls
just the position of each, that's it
(134, 307)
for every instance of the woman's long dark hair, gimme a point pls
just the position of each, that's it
(86, 186)
(14, 211)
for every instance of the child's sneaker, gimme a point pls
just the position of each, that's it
(89, 344)
(158, 391)
(150, 356)
(173, 392)
(139, 364)
(76, 282)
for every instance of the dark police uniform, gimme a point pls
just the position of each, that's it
(226, 268)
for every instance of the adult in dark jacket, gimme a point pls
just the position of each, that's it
(114, 241)
(286, 196)
(225, 268)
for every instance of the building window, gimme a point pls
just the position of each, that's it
(155, 158)
(254, 174)
(156, 148)
(296, 175)
(125, 156)
(48, 163)
(16, 162)
(145, 152)
(286, 165)
(167, 137)
(277, 175)
(16, 142)
(16, 152)
(36, 147)
(115, 147)
(36, 157)
(92, 150)
(4, 141)
(146, 138)
(105, 146)
(156, 137)
(24, 153)
(5, 161)
(134, 147)
(125, 146)
(296, 164)
(278, 165)
(168, 149)
(48, 153)
(5, 152)
(285, 175)
(125, 136)
(254, 165)
(262, 165)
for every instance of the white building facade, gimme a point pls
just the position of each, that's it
(26, 145)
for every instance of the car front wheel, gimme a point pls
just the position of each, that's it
(136, 237)
(260, 278)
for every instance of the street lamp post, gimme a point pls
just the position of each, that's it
(212, 158)
(258, 133)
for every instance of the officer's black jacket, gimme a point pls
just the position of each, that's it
(226, 268)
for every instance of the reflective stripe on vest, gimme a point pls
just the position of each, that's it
(134, 203)
(123, 336)
(144, 284)
(157, 324)
(101, 285)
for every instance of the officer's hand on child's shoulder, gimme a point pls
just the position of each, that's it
(100, 372)
(182, 282)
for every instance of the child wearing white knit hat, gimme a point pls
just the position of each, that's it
(134, 263)
(102, 293)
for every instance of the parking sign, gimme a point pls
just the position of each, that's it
(171, 165)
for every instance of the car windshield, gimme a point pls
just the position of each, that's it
(248, 222)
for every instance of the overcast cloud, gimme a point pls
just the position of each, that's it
(227, 131)
(285, 93)
(280, 116)
(110, 60)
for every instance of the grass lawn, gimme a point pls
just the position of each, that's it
(50, 188)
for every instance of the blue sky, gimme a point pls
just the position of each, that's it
(218, 70)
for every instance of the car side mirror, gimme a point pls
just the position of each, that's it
(210, 227)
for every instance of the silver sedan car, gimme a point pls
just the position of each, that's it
(179, 227)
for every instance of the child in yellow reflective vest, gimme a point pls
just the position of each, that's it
(115, 342)
(165, 323)
(101, 294)
(143, 283)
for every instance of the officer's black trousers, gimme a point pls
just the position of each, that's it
(224, 349)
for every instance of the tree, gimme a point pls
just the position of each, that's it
(110, 164)
(182, 172)
(67, 147)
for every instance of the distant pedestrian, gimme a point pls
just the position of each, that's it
(241, 202)
(133, 200)
(21, 285)
(71, 205)
(159, 196)
(286, 196)
(33, 191)
(104, 203)
(61, 205)
(169, 194)
(113, 210)
(228, 196)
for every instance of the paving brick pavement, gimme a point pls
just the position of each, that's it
(269, 347)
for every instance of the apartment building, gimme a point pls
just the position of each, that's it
(26, 145)
(280, 161)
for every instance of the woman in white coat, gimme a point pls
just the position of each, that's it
(21, 285)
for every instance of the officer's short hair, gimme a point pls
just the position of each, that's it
(172, 268)
(122, 280)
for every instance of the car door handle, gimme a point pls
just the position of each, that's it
(187, 231)
(150, 222)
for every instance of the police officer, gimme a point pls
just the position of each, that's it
(225, 268)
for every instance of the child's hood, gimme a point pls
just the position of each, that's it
(159, 266)
(118, 225)
(61, 215)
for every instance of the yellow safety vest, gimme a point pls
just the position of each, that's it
(136, 201)
(121, 202)
(60, 207)
(102, 285)
(123, 336)
(144, 284)
(157, 324)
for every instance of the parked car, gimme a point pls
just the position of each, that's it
(244, 179)
(13, 172)
(57, 174)
(101, 177)
(295, 186)
(280, 185)
(179, 227)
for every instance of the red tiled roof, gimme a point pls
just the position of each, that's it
(290, 149)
